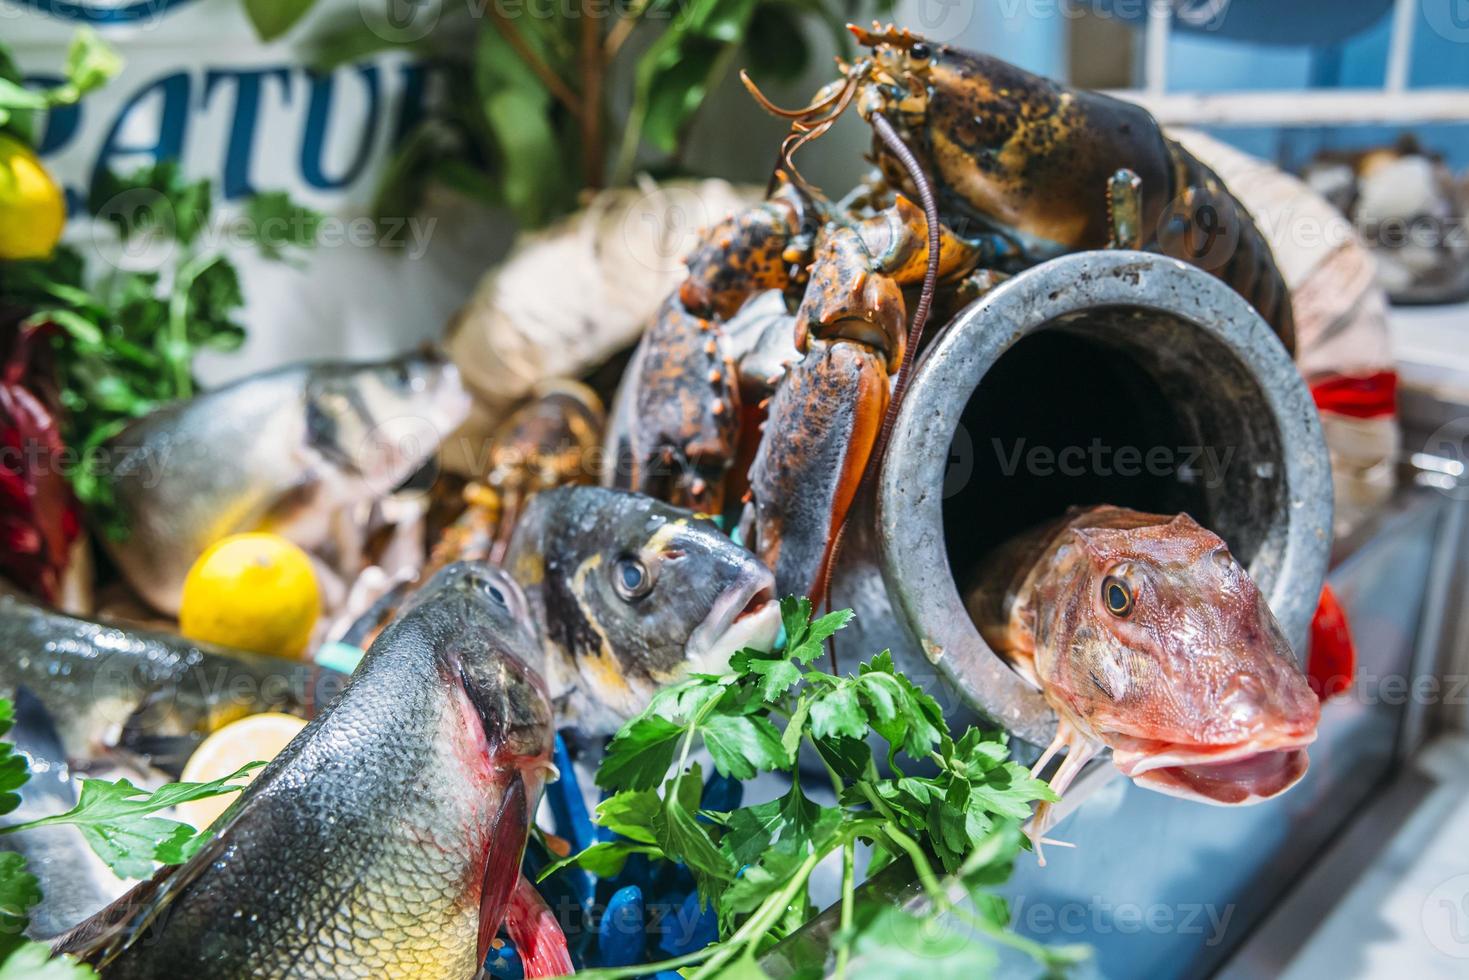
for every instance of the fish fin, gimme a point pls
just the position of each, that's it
(1079, 751)
(503, 852)
(100, 939)
(536, 933)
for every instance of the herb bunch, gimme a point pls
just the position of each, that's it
(958, 824)
(126, 340)
(117, 820)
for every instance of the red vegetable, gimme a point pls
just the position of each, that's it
(38, 515)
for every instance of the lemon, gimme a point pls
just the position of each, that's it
(32, 209)
(252, 592)
(258, 738)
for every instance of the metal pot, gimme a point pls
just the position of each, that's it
(1101, 377)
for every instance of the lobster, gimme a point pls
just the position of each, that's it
(1010, 169)
(1031, 161)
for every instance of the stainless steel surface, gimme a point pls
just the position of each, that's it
(1120, 351)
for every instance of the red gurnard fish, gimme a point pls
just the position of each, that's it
(1148, 638)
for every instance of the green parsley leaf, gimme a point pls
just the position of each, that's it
(33, 961)
(742, 745)
(276, 224)
(889, 941)
(837, 712)
(630, 813)
(13, 772)
(792, 820)
(19, 890)
(115, 819)
(683, 838)
(639, 755)
(605, 859)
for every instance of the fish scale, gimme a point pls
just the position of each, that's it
(368, 846)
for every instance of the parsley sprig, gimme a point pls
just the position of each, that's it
(957, 820)
(117, 820)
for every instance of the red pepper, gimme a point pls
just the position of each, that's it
(1331, 661)
(39, 518)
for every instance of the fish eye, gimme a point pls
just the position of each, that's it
(1116, 596)
(496, 594)
(632, 579)
(920, 52)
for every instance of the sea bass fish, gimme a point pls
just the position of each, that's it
(1148, 638)
(292, 451)
(633, 594)
(386, 838)
(151, 694)
(74, 881)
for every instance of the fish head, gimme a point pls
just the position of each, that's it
(382, 421)
(634, 594)
(490, 649)
(1166, 651)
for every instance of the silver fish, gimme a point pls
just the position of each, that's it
(386, 838)
(633, 594)
(151, 694)
(291, 451)
(74, 882)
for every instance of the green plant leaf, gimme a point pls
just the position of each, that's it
(90, 64)
(276, 224)
(605, 859)
(742, 745)
(517, 108)
(790, 820)
(639, 755)
(33, 961)
(683, 838)
(116, 820)
(838, 712)
(676, 72)
(19, 890)
(273, 18)
(631, 814)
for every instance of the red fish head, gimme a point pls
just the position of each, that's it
(1166, 651)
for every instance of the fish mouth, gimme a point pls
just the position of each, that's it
(745, 615)
(1224, 775)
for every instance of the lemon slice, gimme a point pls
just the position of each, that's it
(258, 738)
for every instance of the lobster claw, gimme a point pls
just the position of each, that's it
(828, 411)
(677, 426)
(849, 299)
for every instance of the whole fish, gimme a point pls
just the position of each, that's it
(150, 694)
(1147, 637)
(386, 838)
(74, 882)
(292, 451)
(632, 594)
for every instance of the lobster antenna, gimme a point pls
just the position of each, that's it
(807, 123)
(894, 143)
(776, 110)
